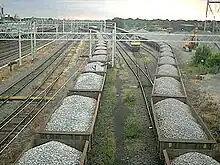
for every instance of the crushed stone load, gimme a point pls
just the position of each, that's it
(165, 48)
(176, 121)
(100, 52)
(89, 81)
(74, 114)
(166, 53)
(101, 44)
(194, 158)
(167, 69)
(167, 60)
(51, 153)
(95, 66)
(99, 58)
(167, 86)
(101, 48)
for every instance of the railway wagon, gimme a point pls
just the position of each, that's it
(158, 97)
(168, 143)
(35, 143)
(75, 139)
(170, 155)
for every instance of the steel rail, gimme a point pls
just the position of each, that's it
(16, 87)
(32, 117)
(123, 53)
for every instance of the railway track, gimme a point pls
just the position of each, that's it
(140, 76)
(19, 85)
(9, 51)
(11, 126)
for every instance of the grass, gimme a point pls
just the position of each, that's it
(104, 148)
(132, 126)
(129, 98)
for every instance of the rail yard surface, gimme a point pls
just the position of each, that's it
(79, 103)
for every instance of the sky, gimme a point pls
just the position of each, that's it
(108, 9)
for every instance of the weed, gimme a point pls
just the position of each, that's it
(132, 126)
(104, 147)
(129, 98)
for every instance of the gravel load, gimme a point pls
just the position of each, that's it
(99, 58)
(101, 48)
(74, 114)
(89, 81)
(165, 49)
(194, 158)
(166, 53)
(51, 153)
(167, 86)
(176, 121)
(167, 70)
(95, 66)
(167, 60)
(100, 52)
(101, 44)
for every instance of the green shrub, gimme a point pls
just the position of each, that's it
(201, 55)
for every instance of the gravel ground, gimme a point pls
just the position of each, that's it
(89, 81)
(167, 86)
(167, 60)
(51, 153)
(99, 58)
(75, 114)
(194, 158)
(95, 66)
(176, 122)
(167, 70)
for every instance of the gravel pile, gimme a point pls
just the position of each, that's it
(75, 114)
(194, 158)
(167, 60)
(166, 53)
(167, 86)
(100, 52)
(100, 48)
(176, 121)
(167, 70)
(51, 153)
(101, 44)
(100, 58)
(89, 81)
(95, 66)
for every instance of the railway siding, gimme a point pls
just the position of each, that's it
(172, 122)
(85, 95)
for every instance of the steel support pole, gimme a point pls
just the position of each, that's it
(90, 43)
(63, 26)
(42, 26)
(19, 45)
(104, 26)
(35, 41)
(114, 45)
(32, 46)
(113, 48)
(206, 14)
